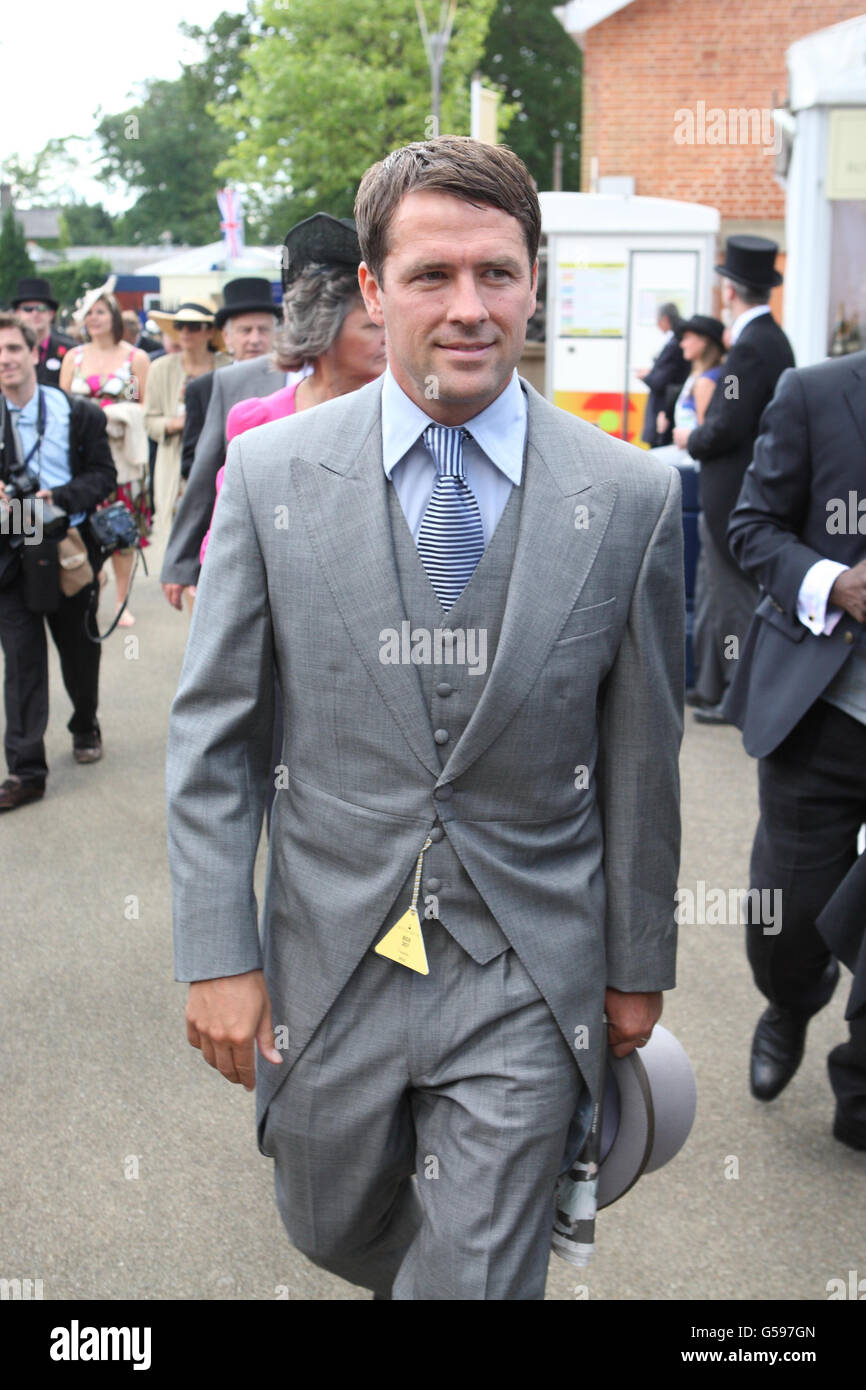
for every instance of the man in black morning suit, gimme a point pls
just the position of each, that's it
(758, 354)
(669, 369)
(799, 695)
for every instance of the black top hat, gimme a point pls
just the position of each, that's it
(751, 260)
(32, 287)
(246, 296)
(706, 326)
(320, 240)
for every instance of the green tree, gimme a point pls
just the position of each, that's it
(330, 89)
(70, 279)
(14, 260)
(165, 149)
(87, 224)
(536, 63)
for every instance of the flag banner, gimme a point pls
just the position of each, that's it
(232, 222)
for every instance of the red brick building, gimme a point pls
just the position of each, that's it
(679, 96)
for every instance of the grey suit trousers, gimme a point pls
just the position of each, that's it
(419, 1136)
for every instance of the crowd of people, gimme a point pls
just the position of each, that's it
(449, 500)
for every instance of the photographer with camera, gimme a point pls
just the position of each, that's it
(55, 468)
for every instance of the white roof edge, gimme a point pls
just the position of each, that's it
(828, 68)
(610, 212)
(198, 260)
(577, 16)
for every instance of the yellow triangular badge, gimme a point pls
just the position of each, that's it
(404, 943)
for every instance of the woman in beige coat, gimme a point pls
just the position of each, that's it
(191, 327)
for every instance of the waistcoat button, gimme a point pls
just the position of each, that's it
(441, 736)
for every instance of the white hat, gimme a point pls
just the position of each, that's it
(87, 300)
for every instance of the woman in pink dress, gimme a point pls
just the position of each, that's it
(326, 328)
(111, 372)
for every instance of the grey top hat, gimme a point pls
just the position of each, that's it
(649, 1109)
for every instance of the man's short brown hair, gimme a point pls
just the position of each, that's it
(8, 320)
(491, 175)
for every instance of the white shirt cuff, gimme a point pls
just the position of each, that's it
(813, 596)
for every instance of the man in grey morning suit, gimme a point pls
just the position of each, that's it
(418, 1122)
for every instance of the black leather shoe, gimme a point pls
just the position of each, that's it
(777, 1051)
(849, 1133)
(693, 699)
(710, 714)
(15, 793)
(87, 748)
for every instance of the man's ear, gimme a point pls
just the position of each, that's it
(534, 291)
(371, 294)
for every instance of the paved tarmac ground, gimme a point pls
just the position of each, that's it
(128, 1169)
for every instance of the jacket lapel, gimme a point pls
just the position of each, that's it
(556, 549)
(855, 394)
(343, 499)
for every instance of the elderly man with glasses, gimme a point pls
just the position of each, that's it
(35, 303)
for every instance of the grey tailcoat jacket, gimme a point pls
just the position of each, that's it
(560, 798)
(229, 385)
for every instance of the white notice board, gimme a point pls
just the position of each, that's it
(592, 297)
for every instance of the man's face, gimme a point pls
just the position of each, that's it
(249, 335)
(131, 328)
(456, 292)
(17, 362)
(40, 316)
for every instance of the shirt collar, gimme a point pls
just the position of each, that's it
(499, 430)
(29, 407)
(746, 317)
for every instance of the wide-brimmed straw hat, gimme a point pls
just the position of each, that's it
(189, 312)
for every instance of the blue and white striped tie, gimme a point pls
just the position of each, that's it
(451, 538)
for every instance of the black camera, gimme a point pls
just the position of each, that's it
(23, 486)
(113, 528)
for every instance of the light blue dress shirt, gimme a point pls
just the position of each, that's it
(51, 458)
(492, 457)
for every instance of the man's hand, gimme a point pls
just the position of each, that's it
(173, 594)
(681, 437)
(849, 592)
(46, 493)
(630, 1019)
(225, 1017)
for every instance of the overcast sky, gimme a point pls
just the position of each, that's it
(62, 59)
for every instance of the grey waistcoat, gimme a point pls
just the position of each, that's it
(452, 689)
